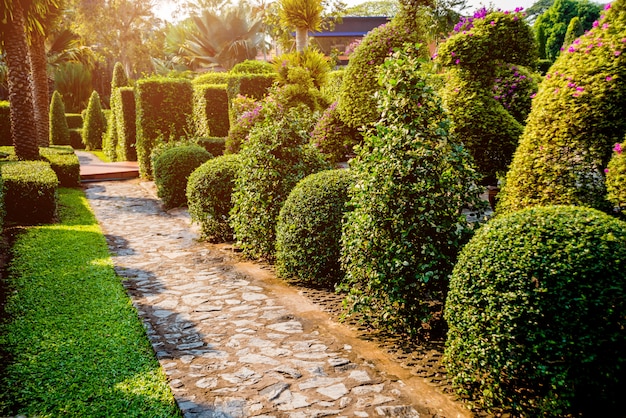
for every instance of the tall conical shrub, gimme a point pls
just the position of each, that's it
(59, 131)
(95, 123)
(575, 120)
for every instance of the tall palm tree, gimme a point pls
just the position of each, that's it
(13, 35)
(225, 38)
(304, 16)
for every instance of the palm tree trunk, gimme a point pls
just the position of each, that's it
(23, 132)
(38, 64)
(302, 39)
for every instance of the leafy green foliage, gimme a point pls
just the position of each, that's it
(308, 230)
(411, 181)
(575, 120)
(172, 169)
(29, 191)
(535, 313)
(64, 162)
(574, 30)
(5, 124)
(616, 178)
(74, 120)
(484, 92)
(246, 113)
(76, 345)
(94, 124)
(332, 137)
(59, 131)
(209, 191)
(125, 119)
(253, 67)
(553, 24)
(111, 142)
(119, 78)
(210, 109)
(314, 62)
(74, 81)
(164, 111)
(273, 159)
(331, 89)
(215, 145)
(357, 102)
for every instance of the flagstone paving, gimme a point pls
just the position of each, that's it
(233, 340)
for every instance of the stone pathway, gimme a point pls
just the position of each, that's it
(235, 344)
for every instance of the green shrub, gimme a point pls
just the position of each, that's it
(576, 117)
(124, 102)
(484, 96)
(214, 145)
(536, 313)
(210, 109)
(109, 140)
(95, 123)
(253, 67)
(5, 124)
(74, 120)
(331, 90)
(119, 78)
(273, 160)
(64, 162)
(357, 102)
(246, 112)
(59, 131)
(172, 169)
(334, 138)
(164, 111)
(314, 62)
(209, 191)
(411, 181)
(2, 211)
(213, 78)
(308, 231)
(29, 191)
(616, 179)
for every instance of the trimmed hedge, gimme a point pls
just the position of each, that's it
(210, 110)
(5, 124)
(254, 86)
(65, 164)
(308, 232)
(59, 131)
(253, 67)
(30, 189)
(209, 191)
(74, 120)
(124, 99)
(95, 123)
(212, 78)
(215, 145)
(536, 312)
(164, 113)
(76, 138)
(172, 169)
(576, 118)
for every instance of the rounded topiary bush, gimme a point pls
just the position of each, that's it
(308, 232)
(536, 313)
(172, 169)
(209, 191)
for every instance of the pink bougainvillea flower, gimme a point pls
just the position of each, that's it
(457, 62)
(605, 26)
(607, 6)
(532, 96)
(595, 24)
(608, 78)
(492, 23)
(606, 170)
(618, 148)
(618, 53)
(571, 49)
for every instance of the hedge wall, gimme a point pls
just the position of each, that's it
(164, 113)
(74, 120)
(210, 110)
(124, 99)
(5, 124)
(29, 191)
(64, 162)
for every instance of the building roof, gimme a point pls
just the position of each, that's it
(353, 26)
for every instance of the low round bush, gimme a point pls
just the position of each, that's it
(209, 191)
(536, 312)
(172, 169)
(308, 232)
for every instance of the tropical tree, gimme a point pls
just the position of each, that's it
(14, 29)
(304, 16)
(222, 38)
(374, 8)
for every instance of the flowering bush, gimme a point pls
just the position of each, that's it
(576, 118)
(487, 99)
(246, 112)
(616, 178)
(332, 137)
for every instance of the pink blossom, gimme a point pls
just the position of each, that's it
(605, 26)
(608, 78)
(618, 148)
(532, 96)
(595, 24)
(571, 49)
(607, 6)
(606, 171)
(457, 62)
(618, 53)
(492, 23)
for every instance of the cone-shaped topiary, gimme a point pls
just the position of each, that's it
(59, 131)
(536, 312)
(172, 169)
(411, 181)
(119, 78)
(309, 229)
(616, 178)
(94, 125)
(576, 118)
(209, 191)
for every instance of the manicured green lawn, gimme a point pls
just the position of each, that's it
(76, 344)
